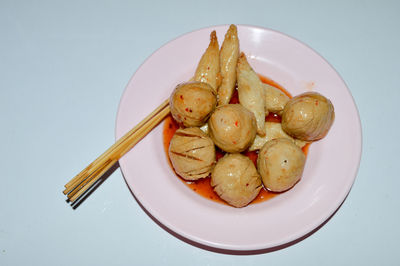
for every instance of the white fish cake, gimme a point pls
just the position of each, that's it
(208, 69)
(275, 99)
(229, 55)
(273, 130)
(251, 92)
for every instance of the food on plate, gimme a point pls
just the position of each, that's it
(273, 130)
(236, 180)
(275, 99)
(204, 128)
(229, 55)
(280, 163)
(208, 68)
(308, 116)
(192, 103)
(261, 131)
(232, 127)
(251, 92)
(192, 153)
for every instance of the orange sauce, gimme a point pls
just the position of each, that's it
(203, 186)
(275, 84)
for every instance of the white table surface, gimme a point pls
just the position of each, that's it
(63, 68)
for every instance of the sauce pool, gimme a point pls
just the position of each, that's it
(203, 186)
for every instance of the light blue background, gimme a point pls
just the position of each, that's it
(63, 68)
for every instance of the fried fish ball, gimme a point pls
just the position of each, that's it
(192, 153)
(208, 68)
(191, 103)
(308, 116)
(251, 92)
(232, 127)
(236, 180)
(273, 130)
(280, 163)
(275, 99)
(229, 55)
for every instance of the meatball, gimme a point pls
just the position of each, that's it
(232, 127)
(280, 163)
(192, 103)
(236, 180)
(308, 116)
(192, 153)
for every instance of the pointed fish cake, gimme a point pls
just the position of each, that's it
(273, 130)
(228, 55)
(208, 69)
(251, 92)
(275, 99)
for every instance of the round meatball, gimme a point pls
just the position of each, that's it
(280, 163)
(192, 103)
(308, 116)
(232, 127)
(236, 180)
(192, 153)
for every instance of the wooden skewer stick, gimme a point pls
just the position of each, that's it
(77, 186)
(102, 157)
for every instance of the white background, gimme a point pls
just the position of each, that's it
(63, 68)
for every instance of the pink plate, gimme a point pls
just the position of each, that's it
(331, 167)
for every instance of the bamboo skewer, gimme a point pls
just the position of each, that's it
(82, 182)
(87, 184)
(100, 159)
